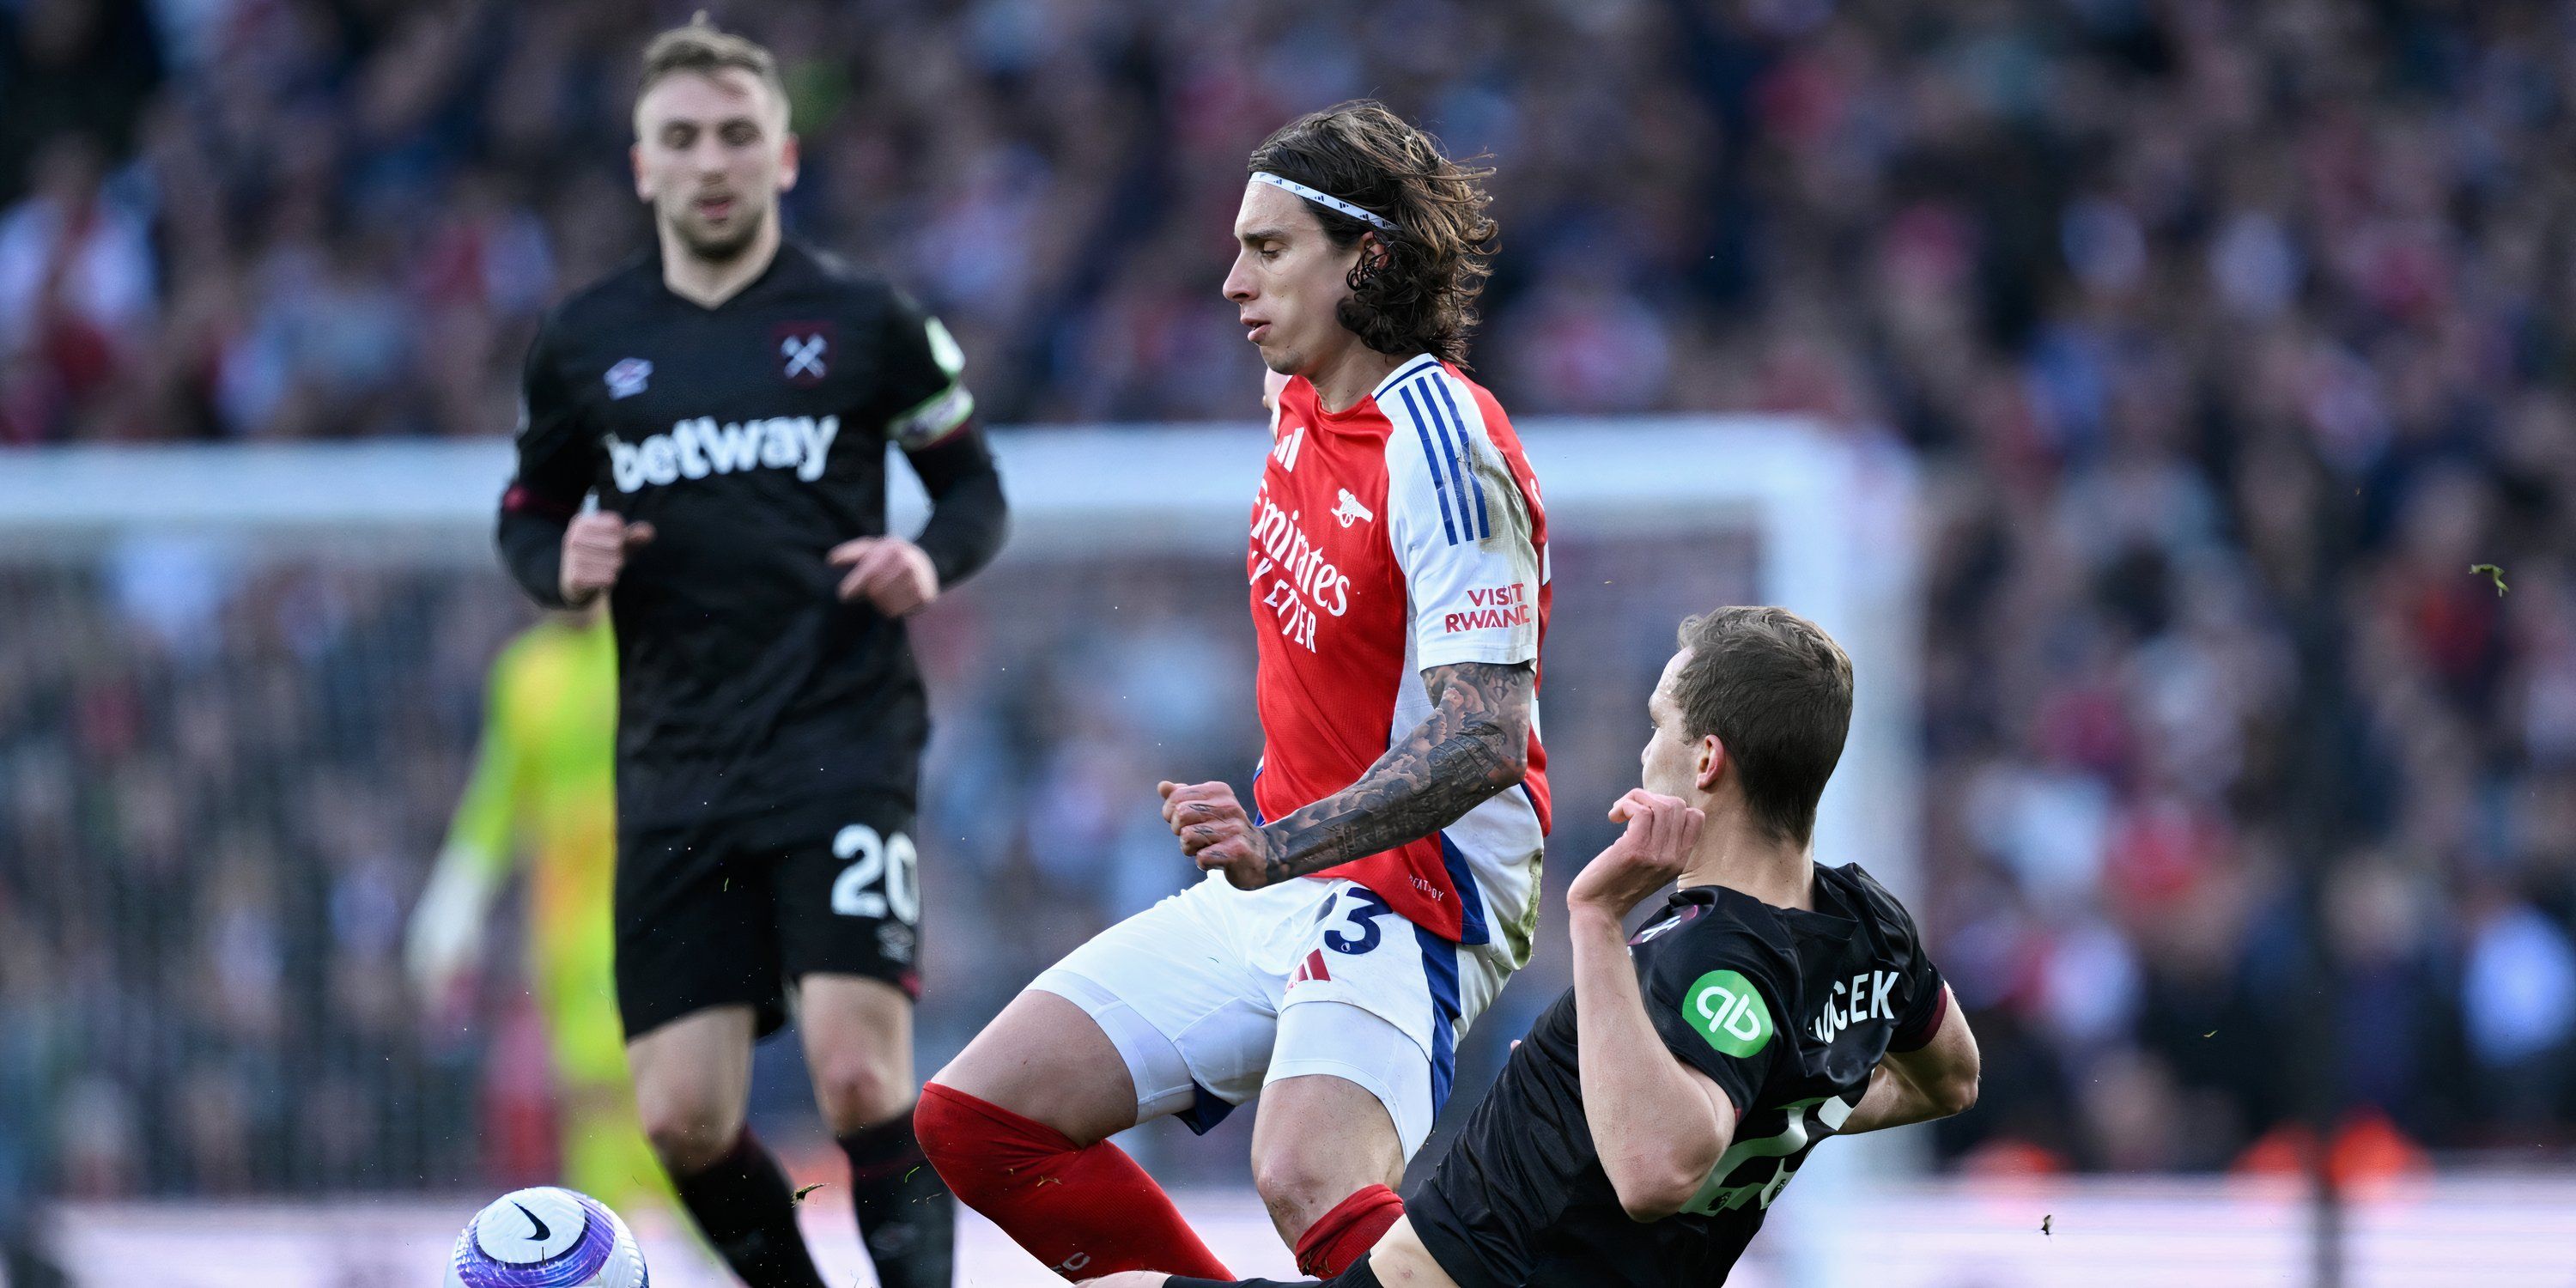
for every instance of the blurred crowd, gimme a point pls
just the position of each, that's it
(229, 769)
(2229, 336)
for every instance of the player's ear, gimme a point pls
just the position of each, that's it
(788, 152)
(635, 162)
(1711, 757)
(1373, 254)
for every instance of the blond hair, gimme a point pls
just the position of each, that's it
(705, 49)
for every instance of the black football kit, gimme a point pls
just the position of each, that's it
(1787, 1010)
(769, 734)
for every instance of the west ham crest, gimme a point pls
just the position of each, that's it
(804, 352)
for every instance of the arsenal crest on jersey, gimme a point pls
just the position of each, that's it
(804, 351)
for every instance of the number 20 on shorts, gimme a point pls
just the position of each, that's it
(892, 862)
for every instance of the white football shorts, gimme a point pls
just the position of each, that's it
(1214, 992)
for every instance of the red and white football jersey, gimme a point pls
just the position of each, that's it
(1401, 534)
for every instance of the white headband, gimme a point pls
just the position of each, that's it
(1324, 199)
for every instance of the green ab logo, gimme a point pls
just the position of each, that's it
(1727, 1011)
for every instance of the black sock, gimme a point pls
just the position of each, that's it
(742, 1203)
(1357, 1275)
(906, 1217)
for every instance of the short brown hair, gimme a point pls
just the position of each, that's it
(1422, 298)
(1777, 692)
(706, 49)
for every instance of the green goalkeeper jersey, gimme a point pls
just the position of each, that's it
(544, 788)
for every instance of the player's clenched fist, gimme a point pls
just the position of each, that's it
(594, 552)
(1646, 858)
(1216, 833)
(894, 574)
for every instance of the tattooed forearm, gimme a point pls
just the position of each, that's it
(1475, 745)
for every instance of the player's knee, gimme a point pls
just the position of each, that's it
(858, 1091)
(689, 1134)
(1299, 1184)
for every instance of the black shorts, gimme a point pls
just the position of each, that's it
(726, 913)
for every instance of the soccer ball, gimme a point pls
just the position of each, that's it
(546, 1238)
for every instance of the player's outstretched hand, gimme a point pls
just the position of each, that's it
(594, 552)
(894, 574)
(1216, 833)
(440, 948)
(1646, 858)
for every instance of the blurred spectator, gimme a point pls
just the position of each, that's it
(2518, 999)
(75, 284)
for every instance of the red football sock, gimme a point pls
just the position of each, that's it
(1084, 1211)
(1337, 1238)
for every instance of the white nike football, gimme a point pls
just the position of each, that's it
(546, 1238)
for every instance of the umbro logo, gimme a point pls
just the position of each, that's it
(626, 379)
(895, 940)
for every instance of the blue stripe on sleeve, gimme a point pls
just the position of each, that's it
(1432, 457)
(1449, 449)
(1419, 366)
(1484, 519)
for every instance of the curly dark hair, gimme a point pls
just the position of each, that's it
(1420, 295)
